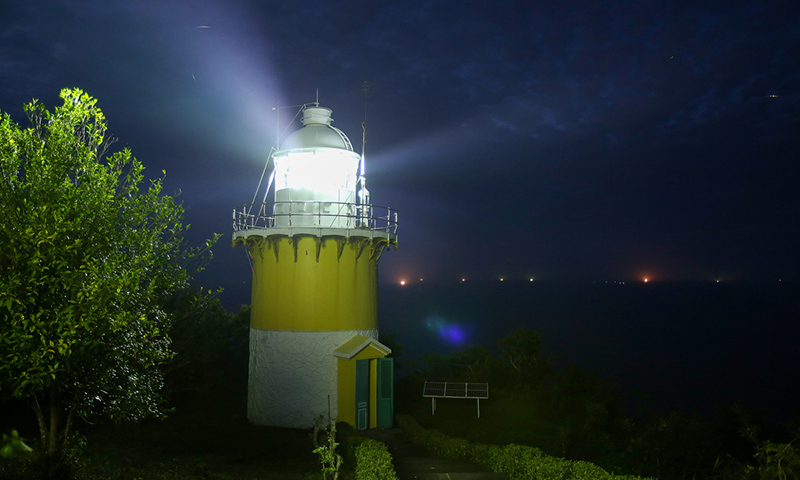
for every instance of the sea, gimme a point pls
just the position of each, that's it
(663, 347)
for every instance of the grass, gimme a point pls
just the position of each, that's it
(206, 437)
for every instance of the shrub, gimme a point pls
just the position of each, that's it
(434, 441)
(349, 440)
(373, 461)
(518, 462)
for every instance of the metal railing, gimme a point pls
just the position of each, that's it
(315, 214)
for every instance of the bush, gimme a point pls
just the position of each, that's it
(349, 440)
(38, 466)
(518, 462)
(373, 461)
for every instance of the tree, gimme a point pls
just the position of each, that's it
(210, 344)
(522, 352)
(87, 258)
(476, 364)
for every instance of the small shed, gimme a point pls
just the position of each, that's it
(365, 383)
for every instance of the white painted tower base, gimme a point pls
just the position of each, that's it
(292, 375)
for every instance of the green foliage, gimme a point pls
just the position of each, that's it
(471, 364)
(29, 464)
(779, 461)
(329, 459)
(210, 344)
(674, 445)
(433, 440)
(771, 460)
(568, 412)
(373, 461)
(349, 440)
(88, 256)
(519, 368)
(586, 408)
(579, 407)
(515, 461)
(13, 446)
(522, 353)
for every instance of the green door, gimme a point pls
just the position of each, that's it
(385, 392)
(362, 394)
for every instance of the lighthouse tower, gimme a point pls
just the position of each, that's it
(314, 252)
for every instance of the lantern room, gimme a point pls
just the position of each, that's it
(316, 173)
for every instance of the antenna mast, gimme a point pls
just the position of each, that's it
(363, 194)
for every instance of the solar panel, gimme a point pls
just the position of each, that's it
(456, 390)
(474, 391)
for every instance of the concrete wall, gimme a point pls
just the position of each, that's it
(292, 373)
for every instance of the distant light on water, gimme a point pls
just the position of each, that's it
(402, 282)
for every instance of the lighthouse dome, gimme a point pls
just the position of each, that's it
(317, 131)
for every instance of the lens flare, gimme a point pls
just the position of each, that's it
(450, 332)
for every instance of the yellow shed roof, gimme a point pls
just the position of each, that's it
(357, 344)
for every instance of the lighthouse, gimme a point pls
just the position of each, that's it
(314, 251)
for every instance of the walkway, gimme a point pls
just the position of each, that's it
(414, 462)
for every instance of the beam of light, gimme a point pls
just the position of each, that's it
(248, 87)
(424, 149)
(235, 84)
(224, 104)
(464, 135)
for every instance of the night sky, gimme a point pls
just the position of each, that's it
(560, 141)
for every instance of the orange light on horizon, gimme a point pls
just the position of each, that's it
(402, 282)
(646, 279)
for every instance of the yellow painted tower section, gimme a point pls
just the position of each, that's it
(308, 283)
